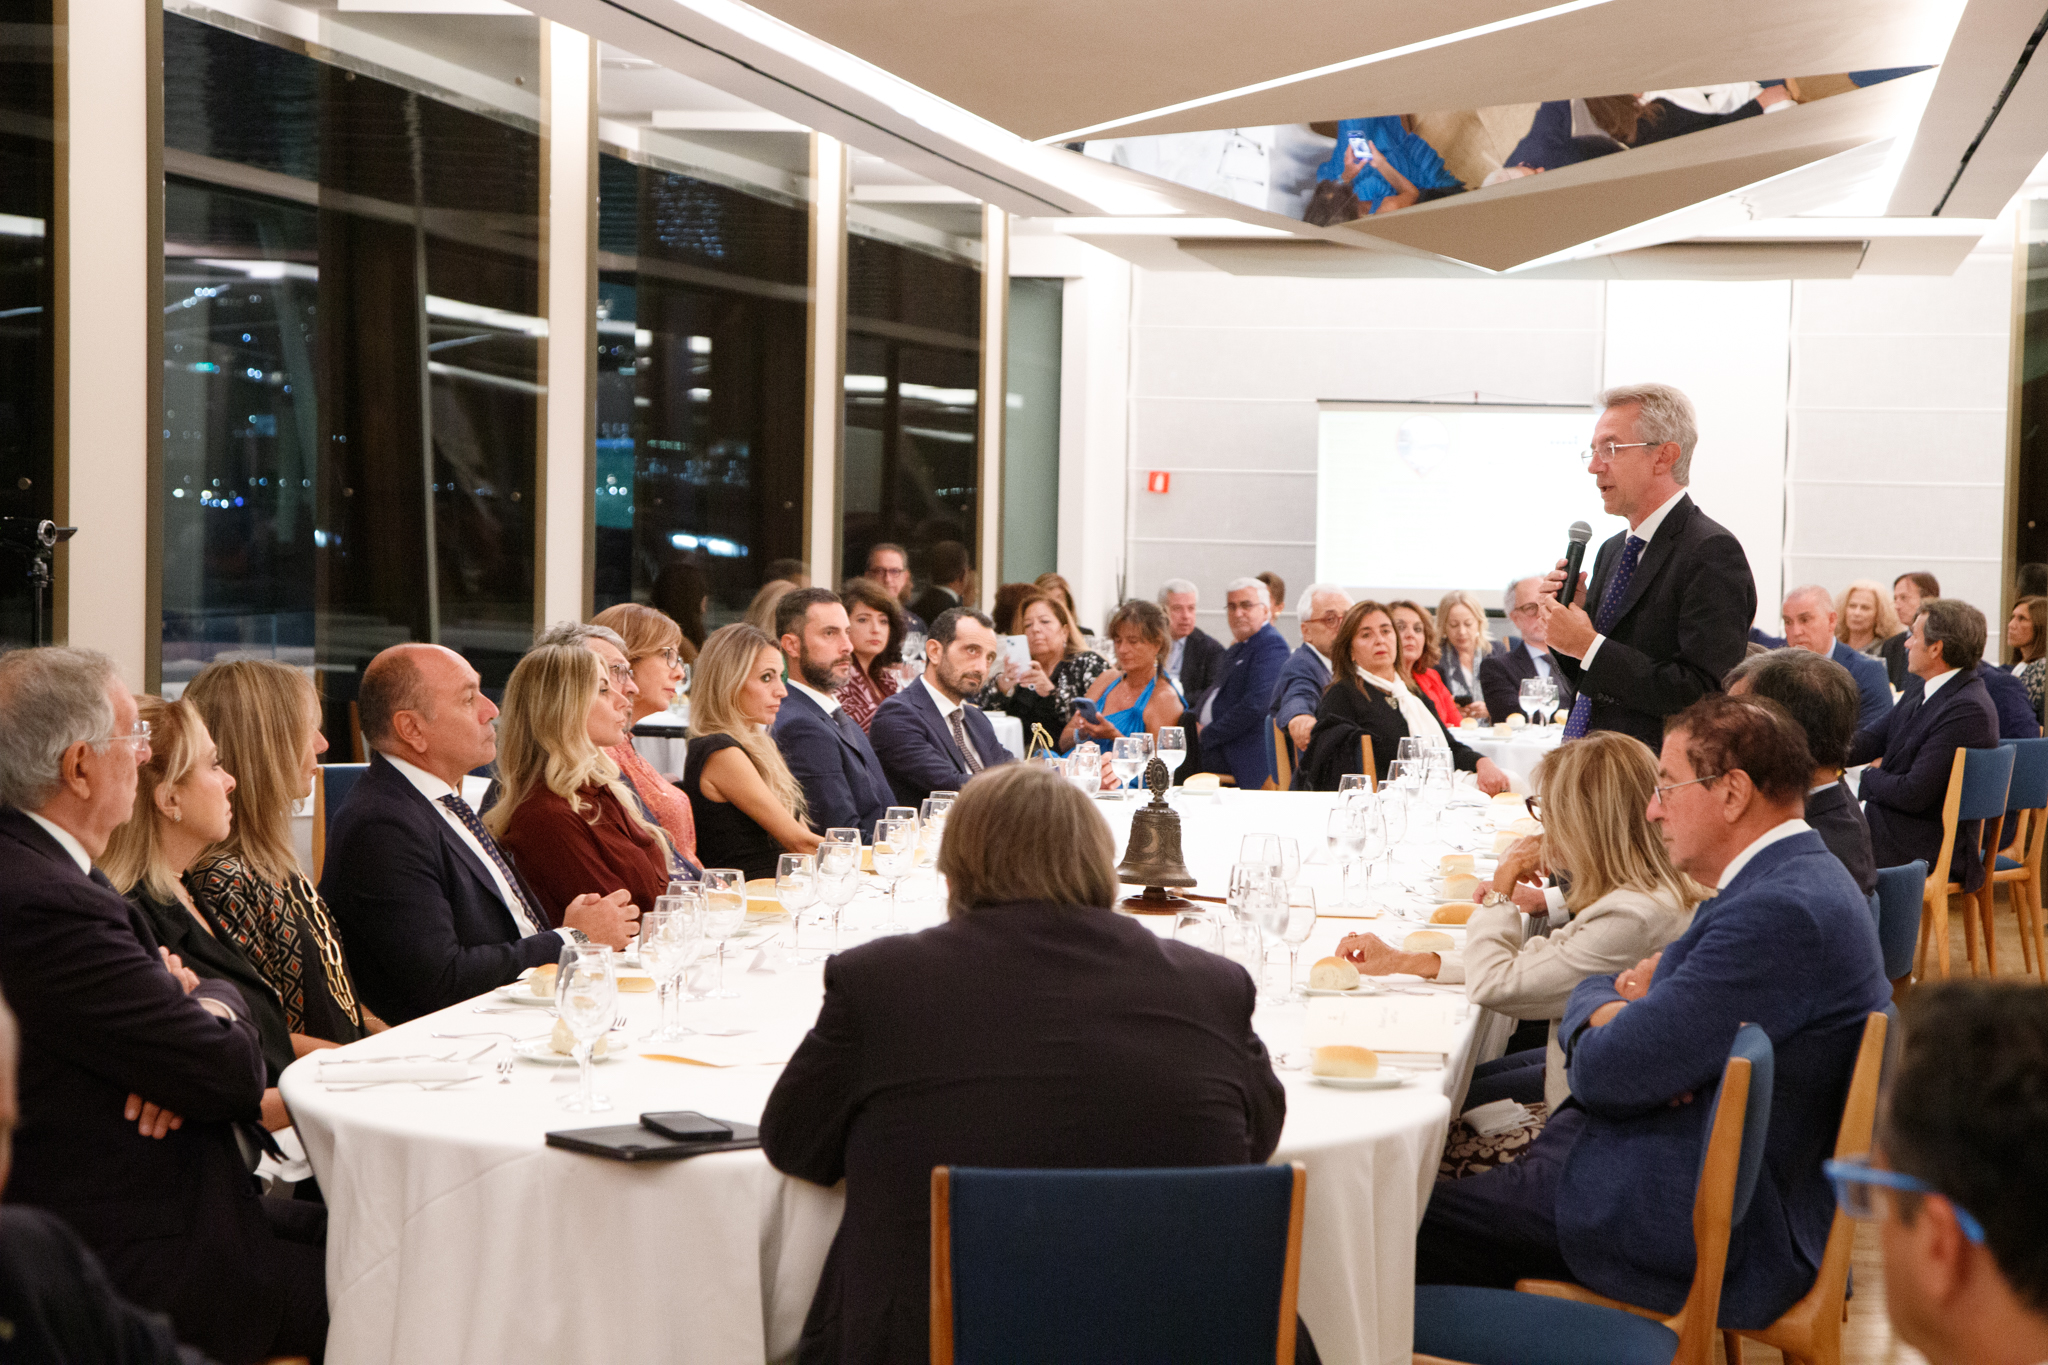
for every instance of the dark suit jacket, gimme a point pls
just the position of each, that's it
(216, 959)
(1501, 677)
(1837, 818)
(418, 912)
(1346, 715)
(942, 1047)
(1234, 740)
(917, 750)
(1624, 1202)
(1682, 624)
(1199, 660)
(1893, 652)
(1300, 688)
(933, 603)
(101, 1019)
(2016, 717)
(59, 1308)
(1902, 800)
(842, 779)
(1872, 684)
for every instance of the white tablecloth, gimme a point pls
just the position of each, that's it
(1519, 753)
(456, 1235)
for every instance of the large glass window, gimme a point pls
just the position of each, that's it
(1031, 429)
(702, 292)
(913, 356)
(352, 351)
(27, 298)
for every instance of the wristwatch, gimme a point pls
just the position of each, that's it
(576, 936)
(1493, 897)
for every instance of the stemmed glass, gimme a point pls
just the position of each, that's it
(1288, 858)
(1173, 749)
(838, 877)
(725, 909)
(1301, 922)
(895, 848)
(1125, 760)
(586, 996)
(796, 886)
(1354, 787)
(1344, 833)
(1548, 707)
(1271, 913)
(1084, 768)
(657, 946)
(1259, 850)
(1531, 698)
(1245, 878)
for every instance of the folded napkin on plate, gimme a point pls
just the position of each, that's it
(364, 1071)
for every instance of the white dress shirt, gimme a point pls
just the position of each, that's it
(1645, 532)
(1762, 842)
(939, 699)
(1935, 684)
(1175, 654)
(65, 840)
(433, 788)
(825, 700)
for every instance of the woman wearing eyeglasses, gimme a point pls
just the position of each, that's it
(655, 647)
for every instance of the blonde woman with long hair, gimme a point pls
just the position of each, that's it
(749, 807)
(1626, 901)
(1461, 626)
(657, 652)
(266, 718)
(1864, 618)
(564, 814)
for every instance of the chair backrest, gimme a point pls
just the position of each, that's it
(2029, 774)
(1105, 1266)
(331, 786)
(1282, 746)
(1987, 778)
(1729, 1167)
(1899, 891)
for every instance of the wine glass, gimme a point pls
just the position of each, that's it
(1173, 749)
(846, 834)
(1344, 834)
(690, 906)
(1354, 786)
(1548, 708)
(1531, 698)
(1288, 854)
(1124, 760)
(1261, 850)
(796, 886)
(1374, 844)
(900, 813)
(895, 846)
(1084, 768)
(586, 997)
(1242, 875)
(1197, 926)
(656, 944)
(1407, 747)
(1270, 913)
(838, 877)
(725, 909)
(1301, 922)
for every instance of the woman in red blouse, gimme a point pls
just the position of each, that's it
(875, 625)
(655, 647)
(1419, 653)
(564, 814)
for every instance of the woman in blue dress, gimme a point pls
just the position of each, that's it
(1138, 698)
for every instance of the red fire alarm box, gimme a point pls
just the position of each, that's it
(1157, 480)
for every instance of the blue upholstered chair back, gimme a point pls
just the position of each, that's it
(1753, 1045)
(336, 781)
(1987, 776)
(2029, 774)
(1898, 915)
(1118, 1266)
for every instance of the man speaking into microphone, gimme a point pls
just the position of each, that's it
(1669, 607)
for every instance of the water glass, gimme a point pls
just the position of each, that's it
(1172, 748)
(1126, 758)
(838, 878)
(1200, 928)
(1530, 697)
(1270, 912)
(1260, 850)
(895, 848)
(796, 887)
(725, 910)
(1352, 786)
(1301, 922)
(586, 998)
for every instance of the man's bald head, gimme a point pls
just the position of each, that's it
(423, 703)
(396, 680)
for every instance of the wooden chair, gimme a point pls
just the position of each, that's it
(1200, 1264)
(1810, 1332)
(1456, 1325)
(331, 785)
(2026, 814)
(1977, 785)
(1365, 762)
(1899, 904)
(1283, 759)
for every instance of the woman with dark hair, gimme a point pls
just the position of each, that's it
(2027, 633)
(1419, 654)
(1139, 697)
(1009, 597)
(1367, 698)
(1052, 585)
(1062, 667)
(875, 623)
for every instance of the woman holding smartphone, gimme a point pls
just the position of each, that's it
(1061, 668)
(1139, 698)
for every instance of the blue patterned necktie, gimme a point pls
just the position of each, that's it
(1610, 607)
(535, 922)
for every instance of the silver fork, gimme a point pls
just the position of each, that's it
(505, 1069)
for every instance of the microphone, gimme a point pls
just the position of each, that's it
(1574, 552)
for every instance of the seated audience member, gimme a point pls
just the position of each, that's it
(927, 736)
(1604, 1196)
(889, 565)
(2026, 634)
(654, 650)
(1276, 592)
(563, 814)
(134, 1072)
(1192, 659)
(430, 908)
(1626, 901)
(265, 716)
(1957, 1183)
(950, 575)
(610, 648)
(932, 1049)
(1418, 660)
(1386, 166)
(1865, 619)
(1138, 698)
(1461, 626)
(794, 572)
(1232, 717)
(1367, 699)
(1307, 670)
(1009, 596)
(1062, 668)
(1821, 698)
(1947, 709)
(749, 805)
(2017, 716)
(54, 1294)
(1810, 624)
(838, 777)
(1557, 137)
(1909, 592)
(181, 809)
(760, 613)
(1501, 675)
(1054, 586)
(874, 624)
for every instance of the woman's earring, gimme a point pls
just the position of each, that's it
(176, 815)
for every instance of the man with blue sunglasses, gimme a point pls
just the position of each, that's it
(1959, 1183)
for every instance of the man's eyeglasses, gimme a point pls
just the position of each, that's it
(622, 676)
(1711, 777)
(1605, 450)
(138, 738)
(1328, 618)
(1854, 1178)
(1528, 609)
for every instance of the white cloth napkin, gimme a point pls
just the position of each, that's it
(1497, 1117)
(371, 1070)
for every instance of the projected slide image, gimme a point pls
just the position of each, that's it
(1430, 498)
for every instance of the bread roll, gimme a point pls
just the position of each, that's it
(1459, 912)
(1504, 841)
(564, 1042)
(1461, 886)
(1428, 941)
(1342, 1059)
(1516, 721)
(1200, 782)
(1525, 825)
(1501, 732)
(1454, 862)
(1512, 800)
(1333, 974)
(1469, 723)
(542, 982)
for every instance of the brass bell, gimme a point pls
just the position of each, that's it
(1152, 860)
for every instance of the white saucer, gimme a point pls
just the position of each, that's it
(1363, 988)
(521, 993)
(537, 1050)
(1363, 1082)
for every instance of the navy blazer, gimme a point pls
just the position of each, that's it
(842, 779)
(56, 1300)
(101, 1019)
(1234, 740)
(2016, 717)
(1501, 677)
(1872, 683)
(1682, 624)
(1789, 946)
(1300, 688)
(419, 913)
(916, 745)
(1837, 818)
(1200, 665)
(1902, 800)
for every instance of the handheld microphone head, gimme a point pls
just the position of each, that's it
(1580, 533)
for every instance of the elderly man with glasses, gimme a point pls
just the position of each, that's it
(1307, 670)
(1501, 675)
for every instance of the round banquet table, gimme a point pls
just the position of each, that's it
(456, 1235)
(1518, 753)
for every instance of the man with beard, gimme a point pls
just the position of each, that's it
(927, 736)
(826, 751)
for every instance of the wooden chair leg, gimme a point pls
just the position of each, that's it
(2021, 906)
(1938, 943)
(1731, 1346)
(2040, 947)
(1920, 967)
(1986, 905)
(1970, 932)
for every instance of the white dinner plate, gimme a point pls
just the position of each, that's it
(1381, 1082)
(537, 1050)
(521, 993)
(1361, 989)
